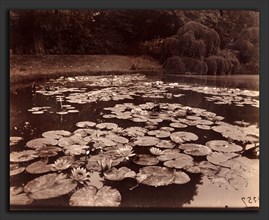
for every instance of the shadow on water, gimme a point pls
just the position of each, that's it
(171, 196)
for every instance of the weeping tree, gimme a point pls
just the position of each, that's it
(225, 62)
(181, 65)
(197, 40)
(193, 43)
(194, 66)
(174, 65)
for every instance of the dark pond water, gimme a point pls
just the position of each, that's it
(224, 101)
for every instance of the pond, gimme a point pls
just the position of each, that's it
(135, 141)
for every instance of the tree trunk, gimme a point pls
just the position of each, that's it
(38, 43)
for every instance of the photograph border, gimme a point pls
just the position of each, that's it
(260, 5)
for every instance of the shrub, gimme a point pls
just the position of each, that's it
(174, 65)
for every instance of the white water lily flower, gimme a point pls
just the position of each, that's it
(61, 164)
(105, 163)
(80, 174)
(156, 151)
(126, 152)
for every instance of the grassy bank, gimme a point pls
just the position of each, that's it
(26, 68)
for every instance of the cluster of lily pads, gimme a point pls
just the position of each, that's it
(83, 162)
(99, 148)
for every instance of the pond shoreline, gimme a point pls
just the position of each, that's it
(26, 69)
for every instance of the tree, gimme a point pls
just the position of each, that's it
(197, 40)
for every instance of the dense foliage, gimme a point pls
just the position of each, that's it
(197, 34)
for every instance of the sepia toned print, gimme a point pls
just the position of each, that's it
(134, 109)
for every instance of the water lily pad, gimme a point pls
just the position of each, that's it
(145, 160)
(85, 124)
(181, 177)
(57, 134)
(192, 117)
(146, 141)
(252, 138)
(193, 169)
(22, 156)
(140, 119)
(18, 197)
(15, 190)
(73, 111)
(62, 113)
(119, 174)
(41, 142)
(15, 169)
(166, 144)
(78, 139)
(230, 179)
(237, 182)
(38, 112)
(203, 127)
(208, 168)
(218, 157)
(160, 133)
(180, 162)
(195, 149)
(39, 167)
(204, 122)
(230, 131)
(118, 139)
(49, 186)
(223, 146)
(109, 126)
(91, 196)
(155, 176)
(104, 142)
(65, 141)
(48, 151)
(242, 165)
(75, 149)
(13, 140)
(83, 132)
(181, 137)
(167, 129)
(96, 180)
(135, 131)
(169, 154)
(109, 116)
(178, 125)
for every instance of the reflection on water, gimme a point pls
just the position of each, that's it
(28, 121)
